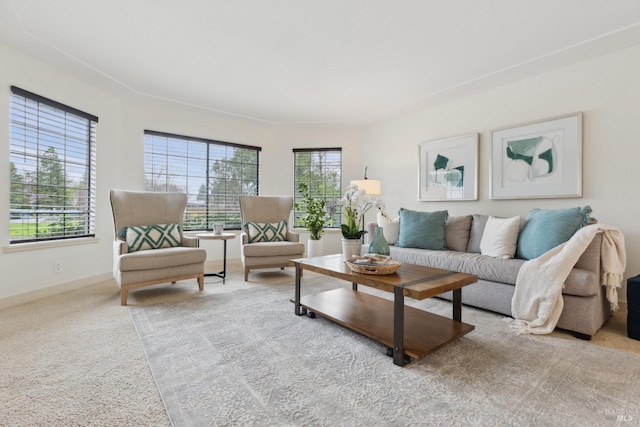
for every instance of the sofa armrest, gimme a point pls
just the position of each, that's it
(293, 237)
(189, 241)
(590, 258)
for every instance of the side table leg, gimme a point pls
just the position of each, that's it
(224, 260)
(398, 327)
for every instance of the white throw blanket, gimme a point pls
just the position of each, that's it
(537, 301)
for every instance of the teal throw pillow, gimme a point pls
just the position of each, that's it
(423, 230)
(146, 237)
(546, 229)
(266, 232)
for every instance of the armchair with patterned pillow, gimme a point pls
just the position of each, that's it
(149, 246)
(266, 240)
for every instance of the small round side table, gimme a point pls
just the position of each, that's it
(224, 237)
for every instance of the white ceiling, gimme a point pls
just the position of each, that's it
(314, 61)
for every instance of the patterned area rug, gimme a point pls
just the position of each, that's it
(237, 355)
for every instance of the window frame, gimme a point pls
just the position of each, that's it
(332, 199)
(38, 123)
(231, 207)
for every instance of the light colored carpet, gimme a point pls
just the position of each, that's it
(239, 356)
(75, 359)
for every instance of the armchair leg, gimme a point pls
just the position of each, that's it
(201, 281)
(246, 274)
(124, 293)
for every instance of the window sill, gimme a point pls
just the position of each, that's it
(326, 230)
(32, 246)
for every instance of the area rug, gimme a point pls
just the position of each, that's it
(238, 355)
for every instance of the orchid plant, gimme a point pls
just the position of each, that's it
(355, 203)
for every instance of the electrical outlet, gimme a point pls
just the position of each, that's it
(57, 266)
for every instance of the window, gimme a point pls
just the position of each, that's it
(52, 170)
(213, 174)
(321, 170)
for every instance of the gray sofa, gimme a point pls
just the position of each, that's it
(585, 305)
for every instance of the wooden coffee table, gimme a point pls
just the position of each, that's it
(407, 331)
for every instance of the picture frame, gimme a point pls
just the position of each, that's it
(449, 169)
(541, 159)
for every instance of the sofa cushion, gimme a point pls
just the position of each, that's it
(161, 258)
(546, 229)
(485, 267)
(424, 230)
(266, 232)
(147, 237)
(262, 249)
(390, 227)
(579, 282)
(500, 237)
(456, 232)
(475, 235)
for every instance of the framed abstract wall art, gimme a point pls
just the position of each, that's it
(535, 160)
(449, 169)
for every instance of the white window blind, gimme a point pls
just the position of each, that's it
(52, 169)
(213, 174)
(321, 170)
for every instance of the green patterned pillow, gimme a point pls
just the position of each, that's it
(145, 237)
(266, 232)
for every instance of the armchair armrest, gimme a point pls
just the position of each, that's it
(293, 237)
(189, 241)
(120, 248)
(244, 238)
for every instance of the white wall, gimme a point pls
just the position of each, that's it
(24, 272)
(277, 144)
(605, 89)
(286, 139)
(28, 274)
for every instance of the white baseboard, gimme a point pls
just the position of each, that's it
(26, 297)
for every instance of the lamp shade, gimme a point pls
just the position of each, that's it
(372, 187)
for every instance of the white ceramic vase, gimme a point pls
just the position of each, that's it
(351, 248)
(314, 248)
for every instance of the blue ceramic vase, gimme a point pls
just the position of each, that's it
(378, 244)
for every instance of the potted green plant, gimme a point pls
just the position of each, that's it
(315, 219)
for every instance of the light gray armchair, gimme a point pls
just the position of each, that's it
(267, 254)
(135, 262)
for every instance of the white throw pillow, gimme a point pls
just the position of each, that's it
(390, 227)
(500, 237)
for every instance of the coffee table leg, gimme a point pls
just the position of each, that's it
(457, 304)
(300, 311)
(354, 286)
(398, 327)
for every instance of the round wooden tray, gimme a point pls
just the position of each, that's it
(379, 270)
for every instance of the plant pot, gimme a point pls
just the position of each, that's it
(314, 248)
(351, 248)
